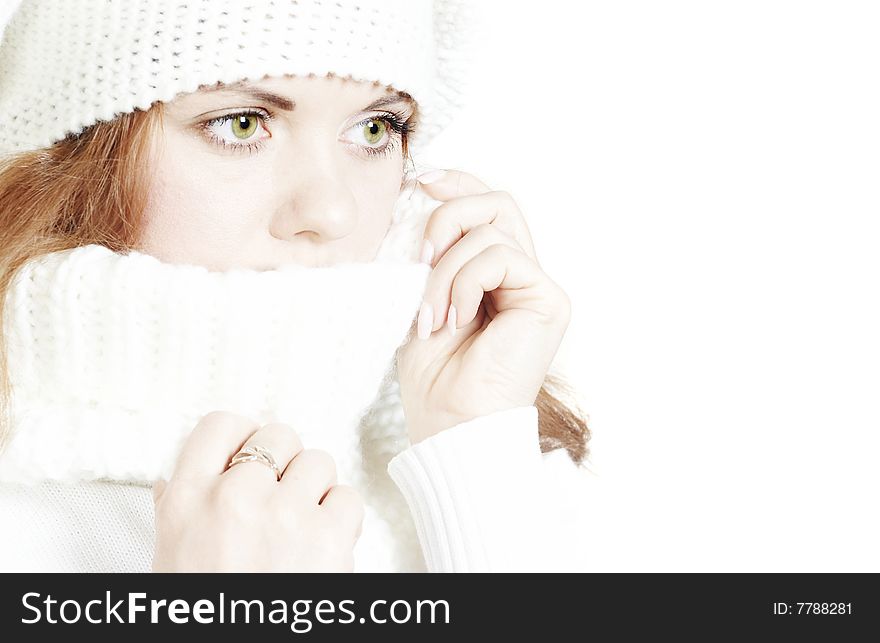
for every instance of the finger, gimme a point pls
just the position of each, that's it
(345, 506)
(450, 221)
(207, 450)
(514, 280)
(309, 475)
(438, 290)
(450, 183)
(279, 439)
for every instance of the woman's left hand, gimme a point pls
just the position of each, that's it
(508, 316)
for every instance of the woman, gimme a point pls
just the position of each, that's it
(223, 284)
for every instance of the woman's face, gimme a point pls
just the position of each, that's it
(242, 180)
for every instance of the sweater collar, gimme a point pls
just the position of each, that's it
(114, 358)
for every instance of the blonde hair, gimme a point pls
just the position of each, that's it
(91, 188)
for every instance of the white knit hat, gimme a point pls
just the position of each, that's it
(67, 64)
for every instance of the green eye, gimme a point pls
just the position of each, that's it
(244, 126)
(374, 131)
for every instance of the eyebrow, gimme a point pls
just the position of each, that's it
(288, 104)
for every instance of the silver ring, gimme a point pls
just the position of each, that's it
(256, 453)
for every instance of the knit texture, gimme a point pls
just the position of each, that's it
(114, 358)
(67, 64)
(83, 527)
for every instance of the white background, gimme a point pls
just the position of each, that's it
(702, 179)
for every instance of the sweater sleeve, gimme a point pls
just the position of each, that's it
(485, 499)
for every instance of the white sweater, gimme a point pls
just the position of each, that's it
(114, 358)
(467, 489)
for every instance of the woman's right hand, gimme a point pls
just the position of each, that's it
(242, 519)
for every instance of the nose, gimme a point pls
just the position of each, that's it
(318, 201)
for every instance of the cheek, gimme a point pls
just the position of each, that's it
(195, 212)
(377, 198)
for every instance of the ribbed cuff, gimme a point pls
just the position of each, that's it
(474, 490)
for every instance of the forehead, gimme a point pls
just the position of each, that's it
(290, 86)
(283, 93)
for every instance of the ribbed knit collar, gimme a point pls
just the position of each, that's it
(115, 357)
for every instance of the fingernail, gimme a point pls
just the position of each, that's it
(426, 320)
(451, 321)
(430, 177)
(427, 251)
